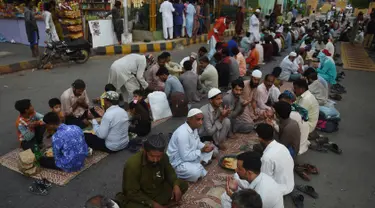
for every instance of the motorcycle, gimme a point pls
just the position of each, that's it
(77, 51)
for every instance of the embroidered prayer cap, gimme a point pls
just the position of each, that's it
(193, 112)
(194, 55)
(213, 92)
(257, 74)
(111, 95)
(293, 54)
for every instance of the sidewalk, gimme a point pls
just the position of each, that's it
(15, 57)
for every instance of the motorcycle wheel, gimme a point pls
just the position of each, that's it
(85, 57)
(44, 60)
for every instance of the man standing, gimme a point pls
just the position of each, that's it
(149, 179)
(216, 124)
(74, 103)
(221, 24)
(240, 17)
(290, 70)
(111, 135)
(32, 30)
(254, 27)
(276, 159)
(307, 101)
(236, 105)
(249, 176)
(127, 74)
(68, 143)
(167, 9)
(185, 150)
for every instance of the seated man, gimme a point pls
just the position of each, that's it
(253, 58)
(249, 176)
(140, 118)
(74, 104)
(185, 150)
(216, 124)
(174, 91)
(289, 130)
(111, 135)
(236, 105)
(276, 159)
(68, 145)
(173, 68)
(234, 70)
(317, 89)
(307, 100)
(148, 178)
(154, 83)
(259, 48)
(266, 95)
(245, 42)
(327, 68)
(246, 198)
(223, 70)
(190, 83)
(268, 49)
(209, 77)
(290, 70)
(193, 59)
(30, 128)
(241, 62)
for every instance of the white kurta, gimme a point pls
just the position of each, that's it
(194, 65)
(184, 152)
(254, 29)
(50, 26)
(167, 9)
(265, 186)
(278, 163)
(127, 73)
(259, 47)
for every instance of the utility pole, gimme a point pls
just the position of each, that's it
(126, 36)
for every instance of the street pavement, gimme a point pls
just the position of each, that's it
(345, 181)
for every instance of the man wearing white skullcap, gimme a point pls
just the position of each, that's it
(290, 71)
(186, 151)
(254, 26)
(216, 124)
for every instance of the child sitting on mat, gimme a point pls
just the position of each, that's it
(55, 105)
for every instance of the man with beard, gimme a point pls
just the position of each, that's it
(149, 179)
(249, 92)
(236, 105)
(74, 103)
(266, 95)
(154, 82)
(249, 176)
(276, 159)
(186, 152)
(216, 125)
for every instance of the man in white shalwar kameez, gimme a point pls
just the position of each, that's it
(254, 27)
(185, 150)
(167, 9)
(126, 74)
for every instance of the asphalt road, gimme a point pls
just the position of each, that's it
(345, 180)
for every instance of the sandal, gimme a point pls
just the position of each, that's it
(311, 169)
(318, 148)
(333, 147)
(297, 199)
(322, 140)
(301, 173)
(44, 183)
(309, 190)
(38, 189)
(336, 97)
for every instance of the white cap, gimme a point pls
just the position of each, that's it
(293, 54)
(257, 10)
(213, 92)
(193, 112)
(257, 74)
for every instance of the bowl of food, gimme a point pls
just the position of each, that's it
(48, 152)
(228, 162)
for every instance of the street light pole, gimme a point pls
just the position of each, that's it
(126, 30)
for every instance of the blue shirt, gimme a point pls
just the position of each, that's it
(232, 44)
(173, 85)
(69, 148)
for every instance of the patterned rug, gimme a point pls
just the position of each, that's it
(160, 121)
(206, 193)
(355, 57)
(10, 161)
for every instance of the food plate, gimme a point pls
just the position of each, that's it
(48, 152)
(228, 162)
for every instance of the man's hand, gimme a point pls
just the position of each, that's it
(232, 186)
(99, 111)
(225, 112)
(34, 124)
(157, 205)
(89, 115)
(246, 102)
(81, 101)
(207, 148)
(176, 193)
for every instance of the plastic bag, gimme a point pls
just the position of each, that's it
(159, 105)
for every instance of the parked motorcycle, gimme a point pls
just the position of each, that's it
(77, 51)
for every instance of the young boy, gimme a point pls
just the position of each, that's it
(55, 105)
(29, 124)
(108, 87)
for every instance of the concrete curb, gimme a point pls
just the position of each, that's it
(20, 66)
(153, 46)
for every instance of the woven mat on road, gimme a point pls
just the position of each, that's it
(355, 57)
(207, 192)
(10, 160)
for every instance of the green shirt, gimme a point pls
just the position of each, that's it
(143, 183)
